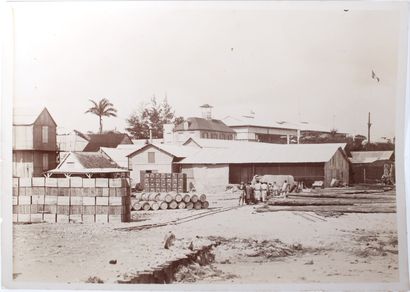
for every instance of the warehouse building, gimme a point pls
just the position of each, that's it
(368, 166)
(215, 168)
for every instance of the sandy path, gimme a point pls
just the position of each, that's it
(75, 252)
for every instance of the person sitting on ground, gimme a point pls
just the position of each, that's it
(241, 193)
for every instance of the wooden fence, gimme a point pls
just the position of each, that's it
(74, 199)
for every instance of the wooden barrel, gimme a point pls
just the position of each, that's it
(173, 205)
(154, 205)
(194, 198)
(205, 205)
(165, 197)
(189, 205)
(154, 196)
(137, 206)
(145, 205)
(163, 205)
(186, 198)
(181, 205)
(138, 196)
(202, 198)
(145, 197)
(197, 205)
(178, 198)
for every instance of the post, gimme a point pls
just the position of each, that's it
(150, 135)
(298, 136)
(287, 138)
(368, 130)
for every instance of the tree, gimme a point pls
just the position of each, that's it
(104, 108)
(152, 115)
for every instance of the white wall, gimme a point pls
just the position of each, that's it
(163, 163)
(207, 178)
(22, 137)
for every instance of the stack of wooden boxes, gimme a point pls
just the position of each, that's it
(165, 182)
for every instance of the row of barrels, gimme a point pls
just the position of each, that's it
(173, 200)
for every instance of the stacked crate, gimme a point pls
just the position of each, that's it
(72, 199)
(165, 182)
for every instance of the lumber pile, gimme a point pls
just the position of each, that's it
(171, 201)
(335, 200)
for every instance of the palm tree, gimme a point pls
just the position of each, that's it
(104, 108)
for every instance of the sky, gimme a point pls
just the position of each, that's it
(304, 63)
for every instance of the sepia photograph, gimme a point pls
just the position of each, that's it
(205, 145)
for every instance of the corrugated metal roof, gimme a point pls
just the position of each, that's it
(110, 140)
(265, 153)
(94, 160)
(205, 125)
(88, 162)
(174, 150)
(237, 121)
(119, 154)
(218, 143)
(370, 156)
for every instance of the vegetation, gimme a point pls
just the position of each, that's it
(152, 115)
(104, 108)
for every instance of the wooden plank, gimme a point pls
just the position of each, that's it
(101, 218)
(101, 182)
(24, 200)
(63, 182)
(63, 192)
(101, 209)
(63, 210)
(88, 210)
(51, 182)
(89, 182)
(115, 210)
(76, 210)
(76, 182)
(36, 218)
(26, 182)
(115, 201)
(63, 218)
(50, 218)
(88, 218)
(24, 218)
(64, 201)
(102, 201)
(114, 218)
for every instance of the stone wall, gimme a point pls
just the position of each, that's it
(74, 199)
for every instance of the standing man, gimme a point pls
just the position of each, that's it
(241, 193)
(264, 190)
(285, 188)
(258, 190)
(248, 193)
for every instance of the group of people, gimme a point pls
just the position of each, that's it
(261, 191)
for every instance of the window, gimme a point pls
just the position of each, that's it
(151, 157)
(45, 161)
(44, 134)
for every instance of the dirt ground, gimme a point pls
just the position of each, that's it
(269, 247)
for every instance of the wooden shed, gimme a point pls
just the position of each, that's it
(34, 142)
(368, 166)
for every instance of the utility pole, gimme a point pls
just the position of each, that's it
(368, 130)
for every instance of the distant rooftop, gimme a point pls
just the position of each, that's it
(370, 156)
(27, 115)
(249, 152)
(204, 125)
